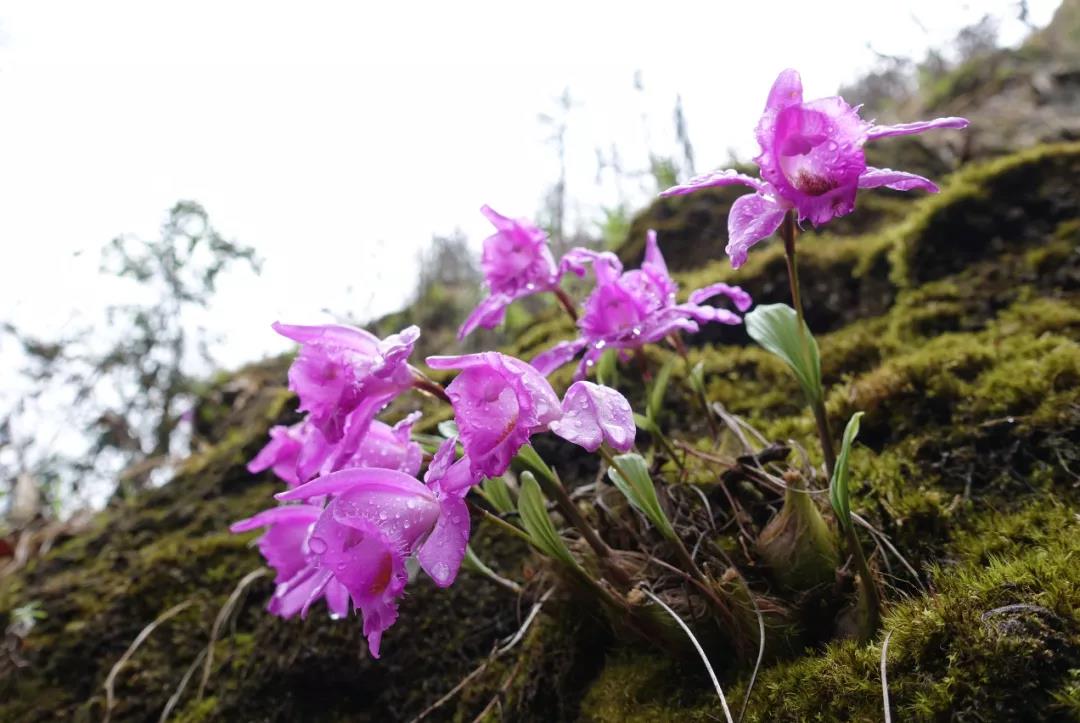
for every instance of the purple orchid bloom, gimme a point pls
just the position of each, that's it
(354, 550)
(811, 162)
(595, 415)
(499, 402)
(387, 447)
(629, 309)
(347, 374)
(517, 263)
(285, 546)
(284, 450)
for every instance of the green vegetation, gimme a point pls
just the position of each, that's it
(957, 331)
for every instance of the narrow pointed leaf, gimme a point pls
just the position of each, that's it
(448, 428)
(776, 328)
(639, 489)
(607, 369)
(537, 523)
(696, 379)
(497, 493)
(839, 489)
(659, 389)
(528, 458)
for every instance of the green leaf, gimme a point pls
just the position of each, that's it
(645, 424)
(474, 564)
(776, 327)
(537, 523)
(606, 368)
(429, 442)
(528, 458)
(497, 493)
(448, 428)
(659, 388)
(839, 489)
(696, 379)
(639, 489)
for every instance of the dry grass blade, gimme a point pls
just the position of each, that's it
(883, 539)
(760, 653)
(219, 622)
(175, 697)
(697, 646)
(885, 679)
(110, 681)
(495, 654)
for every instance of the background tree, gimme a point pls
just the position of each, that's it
(125, 386)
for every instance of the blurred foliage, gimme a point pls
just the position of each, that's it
(127, 384)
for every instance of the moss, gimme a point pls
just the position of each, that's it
(636, 688)
(1013, 201)
(967, 362)
(998, 640)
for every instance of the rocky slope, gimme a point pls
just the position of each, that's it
(953, 321)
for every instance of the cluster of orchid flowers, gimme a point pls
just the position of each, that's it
(355, 512)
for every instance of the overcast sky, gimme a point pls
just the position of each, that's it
(337, 138)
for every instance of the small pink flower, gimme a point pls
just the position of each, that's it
(811, 161)
(499, 402)
(283, 451)
(343, 372)
(375, 520)
(629, 309)
(516, 263)
(383, 446)
(595, 415)
(285, 547)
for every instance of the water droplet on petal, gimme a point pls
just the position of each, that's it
(317, 545)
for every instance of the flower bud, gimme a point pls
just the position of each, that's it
(797, 544)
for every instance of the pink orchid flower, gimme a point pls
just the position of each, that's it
(344, 373)
(499, 402)
(593, 415)
(353, 551)
(516, 263)
(629, 309)
(811, 162)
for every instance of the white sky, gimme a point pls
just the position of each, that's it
(338, 137)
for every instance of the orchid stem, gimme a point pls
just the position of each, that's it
(817, 406)
(498, 521)
(553, 488)
(428, 385)
(866, 582)
(680, 347)
(684, 555)
(566, 302)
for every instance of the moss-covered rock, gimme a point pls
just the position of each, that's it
(953, 324)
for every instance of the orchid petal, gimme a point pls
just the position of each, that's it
(907, 129)
(594, 414)
(488, 314)
(576, 259)
(442, 552)
(786, 90)
(751, 219)
(740, 298)
(896, 180)
(562, 353)
(277, 515)
(725, 177)
(347, 479)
